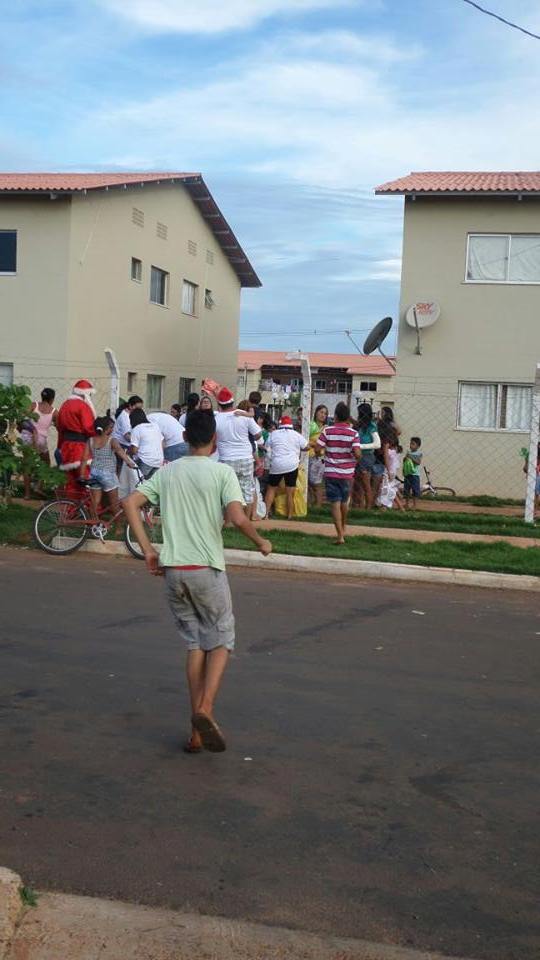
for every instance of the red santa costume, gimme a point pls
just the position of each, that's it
(75, 425)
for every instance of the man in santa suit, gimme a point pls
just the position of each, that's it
(75, 426)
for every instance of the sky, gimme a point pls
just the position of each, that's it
(293, 110)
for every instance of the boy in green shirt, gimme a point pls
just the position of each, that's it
(195, 495)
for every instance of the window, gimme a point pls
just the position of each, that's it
(342, 387)
(209, 301)
(137, 217)
(136, 269)
(209, 257)
(192, 248)
(241, 380)
(154, 391)
(8, 251)
(369, 386)
(162, 230)
(131, 383)
(185, 387)
(159, 286)
(503, 258)
(189, 297)
(320, 384)
(6, 374)
(494, 406)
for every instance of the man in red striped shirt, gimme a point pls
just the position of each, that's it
(342, 452)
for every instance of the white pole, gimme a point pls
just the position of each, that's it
(533, 449)
(114, 370)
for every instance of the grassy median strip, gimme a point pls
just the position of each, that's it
(16, 523)
(498, 557)
(494, 525)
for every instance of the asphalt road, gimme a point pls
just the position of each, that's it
(381, 780)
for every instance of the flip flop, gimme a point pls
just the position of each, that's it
(209, 732)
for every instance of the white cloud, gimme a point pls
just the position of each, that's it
(213, 16)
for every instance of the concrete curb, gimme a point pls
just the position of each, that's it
(11, 907)
(364, 569)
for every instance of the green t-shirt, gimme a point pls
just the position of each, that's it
(192, 493)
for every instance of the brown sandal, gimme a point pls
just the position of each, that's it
(209, 732)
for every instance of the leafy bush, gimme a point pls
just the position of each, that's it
(16, 457)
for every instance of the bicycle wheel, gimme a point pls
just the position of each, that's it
(444, 492)
(59, 527)
(151, 519)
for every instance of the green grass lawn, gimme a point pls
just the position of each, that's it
(16, 527)
(498, 557)
(499, 526)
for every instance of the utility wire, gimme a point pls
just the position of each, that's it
(508, 23)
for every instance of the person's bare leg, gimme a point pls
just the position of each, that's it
(195, 672)
(216, 662)
(338, 522)
(376, 485)
(96, 500)
(366, 489)
(289, 491)
(344, 514)
(269, 498)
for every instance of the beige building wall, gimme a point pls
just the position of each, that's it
(73, 295)
(34, 302)
(487, 332)
(109, 309)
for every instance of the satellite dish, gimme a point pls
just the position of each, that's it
(378, 335)
(375, 339)
(423, 314)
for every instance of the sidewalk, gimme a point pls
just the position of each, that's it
(64, 927)
(393, 533)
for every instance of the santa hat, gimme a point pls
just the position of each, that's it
(83, 388)
(285, 422)
(225, 397)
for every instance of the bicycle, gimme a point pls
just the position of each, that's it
(63, 525)
(428, 490)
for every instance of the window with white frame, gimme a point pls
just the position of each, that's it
(159, 286)
(503, 258)
(6, 374)
(209, 301)
(494, 406)
(189, 297)
(136, 269)
(154, 391)
(8, 251)
(343, 386)
(369, 386)
(185, 387)
(131, 382)
(320, 385)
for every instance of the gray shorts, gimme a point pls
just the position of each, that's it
(201, 604)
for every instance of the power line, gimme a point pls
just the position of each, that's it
(508, 23)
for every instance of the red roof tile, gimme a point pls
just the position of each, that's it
(23, 183)
(464, 183)
(349, 362)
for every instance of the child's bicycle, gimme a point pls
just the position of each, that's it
(63, 525)
(428, 490)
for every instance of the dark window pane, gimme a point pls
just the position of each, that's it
(8, 251)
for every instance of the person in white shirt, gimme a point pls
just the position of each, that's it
(172, 432)
(146, 443)
(122, 426)
(284, 447)
(233, 435)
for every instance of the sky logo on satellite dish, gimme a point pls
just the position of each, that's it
(423, 314)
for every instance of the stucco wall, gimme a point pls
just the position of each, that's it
(108, 308)
(486, 332)
(34, 302)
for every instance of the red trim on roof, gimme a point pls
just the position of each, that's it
(353, 363)
(67, 183)
(437, 182)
